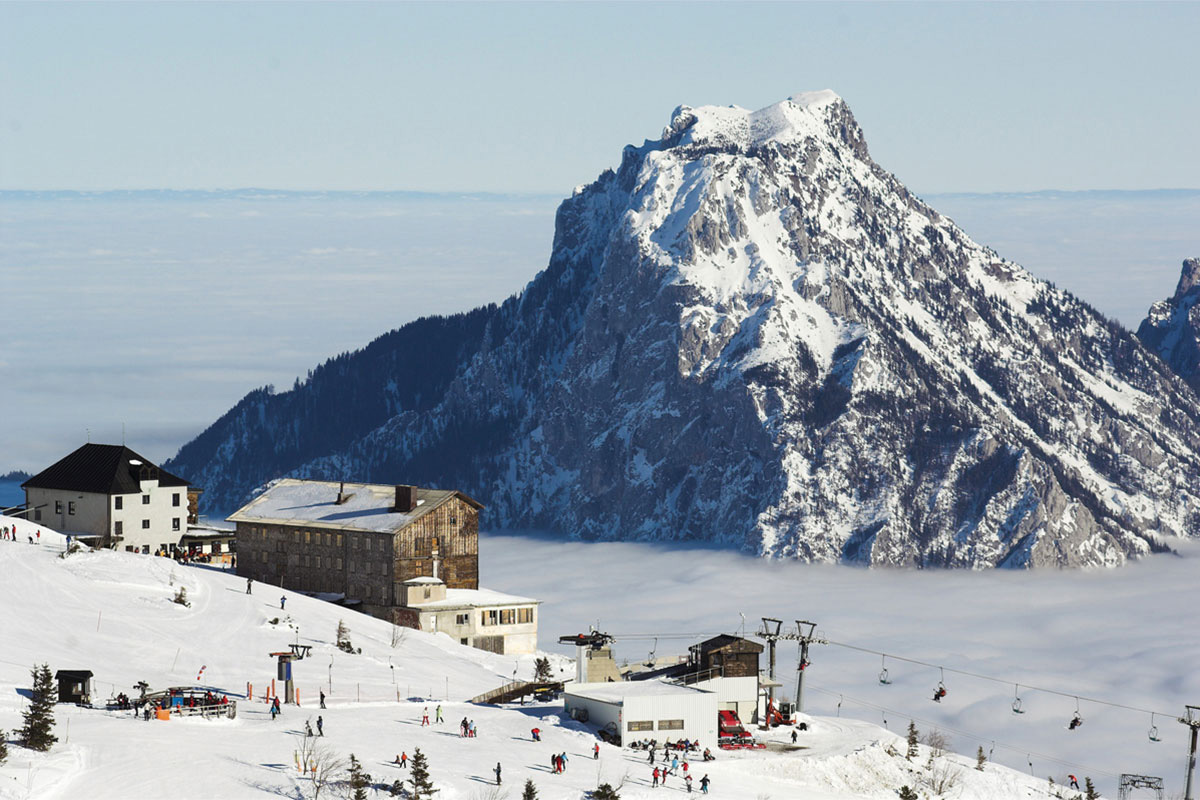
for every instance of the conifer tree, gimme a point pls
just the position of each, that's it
(980, 759)
(422, 787)
(907, 794)
(541, 669)
(3, 747)
(530, 792)
(1090, 790)
(39, 719)
(359, 780)
(912, 741)
(605, 792)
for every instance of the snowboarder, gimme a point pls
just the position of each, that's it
(282, 602)
(425, 717)
(1074, 782)
(437, 714)
(497, 771)
(321, 692)
(537, 734)
(249, 583)
(596, 752)
(655, 777)
(320, 727)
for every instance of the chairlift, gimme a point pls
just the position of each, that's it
(839, 705)
(1076, 720)
(1153, 732)
(1016, 703)
(940, 691)
(883, 673)
(653, 650)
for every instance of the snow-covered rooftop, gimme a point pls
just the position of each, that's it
(617, 691)
(368, 506)
(474, 598)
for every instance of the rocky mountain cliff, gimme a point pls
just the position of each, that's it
(749, 333)
(1172, 327)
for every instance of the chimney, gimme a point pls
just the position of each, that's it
(406, 498)
(437, 560)
(342, 496)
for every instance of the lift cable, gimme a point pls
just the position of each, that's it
(1082, 768)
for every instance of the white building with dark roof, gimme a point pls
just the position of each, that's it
(111, 496)
(652, 709)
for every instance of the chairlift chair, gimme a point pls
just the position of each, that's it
(1016, 703)
(1153, 732)
(883, 673)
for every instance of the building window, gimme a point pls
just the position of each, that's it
(308, 537)
(328, 539)
(264, 557)
(175, 499)
(175, 524)
(71, 507)
(463, 641)
(462, 619)
(368, 545)
(145, 549)
(524, 615)
(506, 616)
(337, 564)
(491, 617)
(58, 506)
(37, 514)
(129, 548)
(145, 524)
(648, 725)
(118, 528)
(118, 502)
(145, 499)
(670, 724)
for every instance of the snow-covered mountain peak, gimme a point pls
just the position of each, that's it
(732, 127)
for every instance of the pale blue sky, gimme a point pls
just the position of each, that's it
(541, 97)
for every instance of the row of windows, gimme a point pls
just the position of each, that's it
(119, 526)
(663, 725)
(310, 537)
(119, 501)
(506, 616)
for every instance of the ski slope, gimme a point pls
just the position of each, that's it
(112, 613)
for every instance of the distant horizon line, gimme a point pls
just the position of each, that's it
(264, 193)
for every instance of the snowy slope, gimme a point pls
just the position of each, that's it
(750, 333)
(110, 612)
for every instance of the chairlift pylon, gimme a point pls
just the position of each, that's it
(883, 673)
(1016, 703)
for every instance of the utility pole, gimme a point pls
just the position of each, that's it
(1192, 720)
(804, 632)
(770, 633)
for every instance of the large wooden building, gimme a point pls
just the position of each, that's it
(359, 540)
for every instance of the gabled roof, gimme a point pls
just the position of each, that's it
(101, 469)
(313, 504)
(724, 640)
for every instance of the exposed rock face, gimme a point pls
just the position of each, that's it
(1172, 327)
(751, 334)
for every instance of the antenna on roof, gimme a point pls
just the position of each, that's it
(89, 435)
(122, 434)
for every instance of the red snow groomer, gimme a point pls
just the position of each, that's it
(730, 733)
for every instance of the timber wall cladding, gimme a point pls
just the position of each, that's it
(453, 529)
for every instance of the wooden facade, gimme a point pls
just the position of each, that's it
(728, 656)
(365, 565)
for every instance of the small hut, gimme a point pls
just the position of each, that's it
(74, 686)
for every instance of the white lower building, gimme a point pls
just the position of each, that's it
(492, 621)
(648, 709)
(739, 695)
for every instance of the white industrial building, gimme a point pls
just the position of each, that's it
(492, 621)
(647, 709)
(111, 496)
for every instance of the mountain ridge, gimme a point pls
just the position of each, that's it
(751, 333)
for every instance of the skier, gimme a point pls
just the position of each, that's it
(249, 583)
(462, 728)
(704, 784)
(425, 717)
(554, 763)
(795, 736)
(320, 726)
(562, 762)
(687, 781)
(1076, 721)
(655, 776)
(674, 765)
(537, 734)
(471, 729)
(437, 714)
(1074, 782)
(497, 771)
(282, 602)
(321, 692)
(275, 705)
(307, 729)
(596, 752)
(650, 758)
(939, 694)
